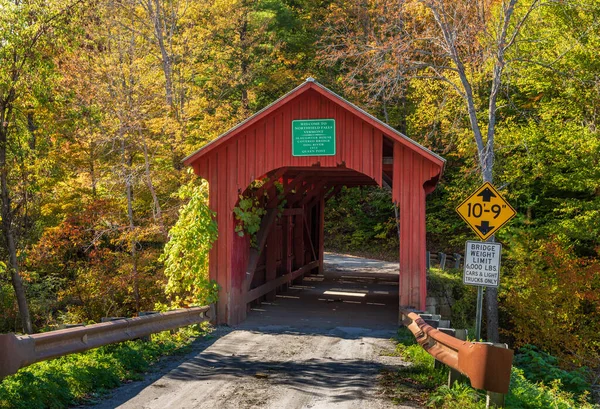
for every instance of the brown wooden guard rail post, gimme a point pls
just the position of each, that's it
(487, 366)
(20, 351)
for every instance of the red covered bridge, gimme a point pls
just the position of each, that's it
(331, 143)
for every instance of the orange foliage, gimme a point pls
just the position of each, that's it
(87, 250)
(553, 299)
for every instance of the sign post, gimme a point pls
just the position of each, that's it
(478, 313)
(485, 211)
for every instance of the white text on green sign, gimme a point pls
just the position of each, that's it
(313, 137)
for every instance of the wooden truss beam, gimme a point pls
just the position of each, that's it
(284, 279)
(286, 191)
(316, 190)
(273, 177)
(309, 239)
(333, 192)
(261, 239)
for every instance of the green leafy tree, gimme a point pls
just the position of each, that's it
(186, 254)
(30, 33)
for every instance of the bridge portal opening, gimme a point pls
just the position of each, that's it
(286, 262)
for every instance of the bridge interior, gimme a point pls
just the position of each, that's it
(352, 293)
(290, 242)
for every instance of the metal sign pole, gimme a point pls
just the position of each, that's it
(478, 313)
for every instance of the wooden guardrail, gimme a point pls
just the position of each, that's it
(443, 260)
(19, 351)
(487, 366)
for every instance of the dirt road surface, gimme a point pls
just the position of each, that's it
(321, 344)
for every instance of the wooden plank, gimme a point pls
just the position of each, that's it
(222, 278)
(298, 240)
(287, 243)
(284, 279)
(236, 310)
(261, 239)
(321, 234)
(241, 165)
(298, 243)
(378, 156)
(328, 170)
(291, 200)
(269, 144)
(312, 246)
(319, 172)
(214, 251)
(293, 211)
(316, 191)
(315, 198)
(271, 263)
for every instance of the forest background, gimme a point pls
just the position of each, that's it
(101, 100)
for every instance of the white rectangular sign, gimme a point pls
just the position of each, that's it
(482, 264)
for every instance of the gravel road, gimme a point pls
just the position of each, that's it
(321, 344)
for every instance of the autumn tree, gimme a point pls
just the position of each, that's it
(29, 34)
(384, 45)
(100, 120)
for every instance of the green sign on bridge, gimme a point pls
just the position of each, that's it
(313, 137)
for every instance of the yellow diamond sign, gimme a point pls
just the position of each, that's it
(485, 211)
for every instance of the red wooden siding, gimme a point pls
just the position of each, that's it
(263, 144)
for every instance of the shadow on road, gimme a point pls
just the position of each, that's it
(321, 376)
(321, 342)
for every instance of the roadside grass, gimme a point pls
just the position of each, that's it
(86, 377)
(422, 384)
(413, 383)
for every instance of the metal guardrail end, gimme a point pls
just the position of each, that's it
(211, 314)
(488, 366)
(12, 354)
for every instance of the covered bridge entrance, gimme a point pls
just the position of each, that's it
(290, 158)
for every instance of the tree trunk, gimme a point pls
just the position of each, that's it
(127, 163)
(157, 213)
(491, 293)
(244, 64)
(136, 285)
(155, 14)
(7, 230)
(92, 168)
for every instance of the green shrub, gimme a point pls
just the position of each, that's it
(447, 286)
(525, 394)
(459, 396)
(186, 254)
(412, 382)
(540, 366)
(361, 221)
